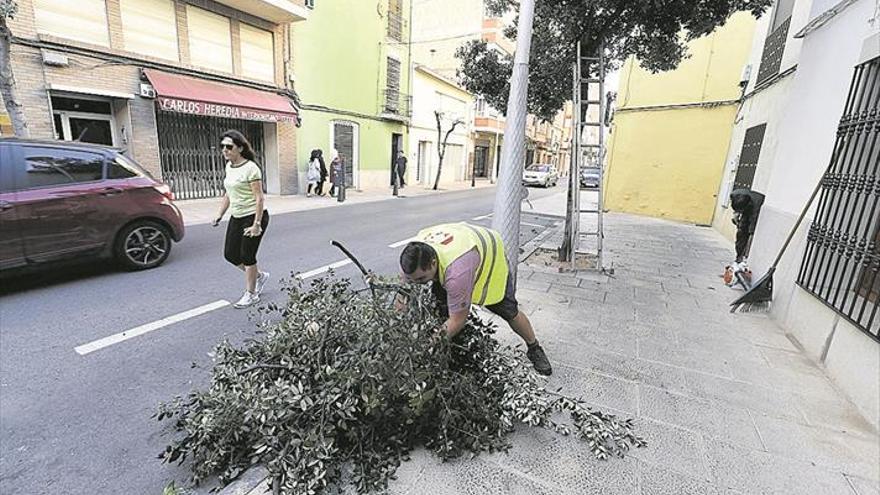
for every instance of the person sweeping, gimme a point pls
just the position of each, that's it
(465, 264)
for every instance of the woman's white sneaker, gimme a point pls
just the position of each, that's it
(262, 279)
(247, 299)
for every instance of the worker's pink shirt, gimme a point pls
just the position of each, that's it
(461, 277)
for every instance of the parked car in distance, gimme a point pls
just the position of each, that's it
(62, 201)
(540, 175)
(590, 176)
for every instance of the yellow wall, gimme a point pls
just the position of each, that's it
(668, 163)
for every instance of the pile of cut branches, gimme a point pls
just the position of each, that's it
(340, 385)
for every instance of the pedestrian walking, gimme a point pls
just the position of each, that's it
(337, 173)
(465, 264)
(249, 218)
(313, 174)
(322, 170)
(401, 168)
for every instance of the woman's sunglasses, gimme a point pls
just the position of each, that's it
(227, 146)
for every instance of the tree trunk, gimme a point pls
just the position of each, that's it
(7, 83)
(441, 152)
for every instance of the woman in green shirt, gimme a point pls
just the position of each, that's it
(249, 219)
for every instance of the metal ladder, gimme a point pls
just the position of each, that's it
(588, 72)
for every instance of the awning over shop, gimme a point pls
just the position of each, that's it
(183, 94)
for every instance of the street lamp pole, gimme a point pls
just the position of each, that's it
(508, 199)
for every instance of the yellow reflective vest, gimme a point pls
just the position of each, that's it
(453, 240)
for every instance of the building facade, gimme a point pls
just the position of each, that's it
(811, 112)
(434, 47)
(671, 130)
(353, 71)
(162, 79)
(434, 93)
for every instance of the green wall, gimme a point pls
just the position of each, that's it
(339, 63)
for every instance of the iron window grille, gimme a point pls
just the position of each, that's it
(842, 258)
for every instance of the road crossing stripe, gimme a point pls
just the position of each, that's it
(149, 327)
(323, 269)
(401, 243)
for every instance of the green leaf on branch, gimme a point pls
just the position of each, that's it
(340, 387)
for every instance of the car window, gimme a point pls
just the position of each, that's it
(129, 166)
(46, 167)
(118, 169)
(539, 168)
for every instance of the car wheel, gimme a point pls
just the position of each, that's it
(142, 245)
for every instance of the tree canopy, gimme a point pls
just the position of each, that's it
(655, 31)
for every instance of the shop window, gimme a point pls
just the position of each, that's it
(257, 53)
(149, 27)
(210, 39)
(82, 20)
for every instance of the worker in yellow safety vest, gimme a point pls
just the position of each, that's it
(466, 265)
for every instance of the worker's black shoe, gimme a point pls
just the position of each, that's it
(539, 359)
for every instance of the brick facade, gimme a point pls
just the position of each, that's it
(102, 70)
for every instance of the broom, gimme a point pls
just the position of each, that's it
(757, 299)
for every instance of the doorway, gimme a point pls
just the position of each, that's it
(396, 145)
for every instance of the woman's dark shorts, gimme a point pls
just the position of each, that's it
(241, 249)
(507, 308)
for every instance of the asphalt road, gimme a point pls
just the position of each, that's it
(80, 424)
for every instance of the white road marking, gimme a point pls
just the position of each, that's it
(149, 327)
(401, 243)
(482, 217)
(323, 269)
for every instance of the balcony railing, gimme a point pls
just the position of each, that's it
(395, 103)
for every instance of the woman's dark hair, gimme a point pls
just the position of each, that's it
(247, 151)
(319, 155)
(416, 255)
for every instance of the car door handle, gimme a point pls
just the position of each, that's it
(110, 191)
(5, 205)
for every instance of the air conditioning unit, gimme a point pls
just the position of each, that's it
(55, 59)
(147, 90)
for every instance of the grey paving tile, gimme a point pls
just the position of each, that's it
(655, 480)
(863, 486)
(836, 413)
(601, 390)
(756, 473)
(794, 361)
(616, 365)
(710, 418)
(789, 381)
(674, 354)
(475, 477)
(834, 450)
(673, 448)
(567, 462)
(742, 394)
(578, 294)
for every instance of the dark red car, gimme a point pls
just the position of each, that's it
(61, 200)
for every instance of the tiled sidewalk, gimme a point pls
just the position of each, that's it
(726, 402)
